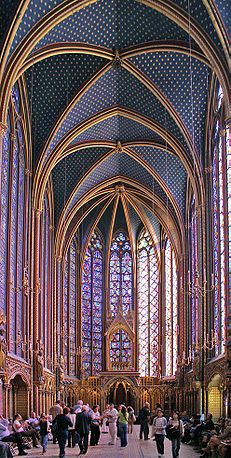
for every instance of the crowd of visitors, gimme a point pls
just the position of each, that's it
(74, 426)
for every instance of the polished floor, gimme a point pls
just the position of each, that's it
(135, 449)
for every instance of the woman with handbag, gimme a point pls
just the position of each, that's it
(158, 430)
(174, 432)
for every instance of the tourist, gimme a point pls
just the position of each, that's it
(95, 419)
(78, 407)
(131, 419)
(82, 427)
(21, 427)
(44, 430)
(62, 421)
(123, 426)
(55, 410)
(144, 417)
(158, 430)
(71, 429)
(6, 436)
(175, 432)
(112, 419)
(105, 423)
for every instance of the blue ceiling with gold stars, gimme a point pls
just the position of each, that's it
(157, 94)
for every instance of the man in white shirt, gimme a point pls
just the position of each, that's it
(112, 419)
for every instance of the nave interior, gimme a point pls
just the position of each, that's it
(115, 205)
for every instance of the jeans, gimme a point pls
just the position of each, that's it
(175, 447)
(83, 441)
(62, 439)
(160, 443)
(44, 441)
(123, 427)
(144, 429)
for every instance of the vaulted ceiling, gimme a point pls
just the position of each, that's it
(118, 95)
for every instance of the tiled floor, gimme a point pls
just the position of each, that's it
(135, 449)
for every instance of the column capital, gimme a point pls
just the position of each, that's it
(3, 129)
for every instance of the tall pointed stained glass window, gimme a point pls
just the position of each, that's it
(148, 306)
(92, 286)
(70, 309)
(171, 311)
(120, 275)
(4, 217)
(219, 263)
(193, 247)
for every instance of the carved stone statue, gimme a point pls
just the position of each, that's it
(3, 350)
(60, 370)
(39, 362)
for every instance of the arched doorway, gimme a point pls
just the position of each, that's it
(19, 401)
(215, 397)
(121, 393)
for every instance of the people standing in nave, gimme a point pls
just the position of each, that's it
(82, 427)
(105, 423)
(71, 429)
(95, 420)
(144, 417)
(55, 410)
(112, 419)
(44, 431)
(63, 422)
(158, 430)
(176, 432)
(131, 419)
(123, 426)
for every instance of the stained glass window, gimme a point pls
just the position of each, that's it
(193, 243)
(120, 275)
(120, 350)
(171, 311)
(69, 311)
(20, 230)
(92, 307)
(148, 306)
(4, 217)
(219, 264)
(45, 280)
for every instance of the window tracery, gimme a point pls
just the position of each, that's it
(148, 306)
(120, 275)
(92, 286)
(219, 263)
(171, 311)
